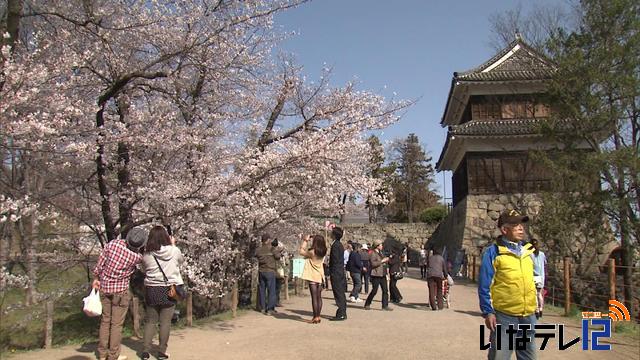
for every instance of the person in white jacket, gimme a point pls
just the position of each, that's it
(161, 264)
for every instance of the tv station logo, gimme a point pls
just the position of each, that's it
(595, 326)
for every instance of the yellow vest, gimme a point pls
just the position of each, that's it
(513, 290)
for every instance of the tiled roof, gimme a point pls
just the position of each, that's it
(522, 62)
(497, 127)
(507, 75)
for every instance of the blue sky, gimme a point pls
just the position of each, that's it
(410, 47)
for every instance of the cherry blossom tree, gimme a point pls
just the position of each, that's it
(130, 112)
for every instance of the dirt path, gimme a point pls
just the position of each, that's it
(408, 332)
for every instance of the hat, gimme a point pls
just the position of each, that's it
(137, 237)
(365, 246)
(376, 242)
(511, 217)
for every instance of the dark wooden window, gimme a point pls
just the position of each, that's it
(486, 111)
(487, 108)
(495, 173)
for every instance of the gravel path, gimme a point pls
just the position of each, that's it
(409, 332)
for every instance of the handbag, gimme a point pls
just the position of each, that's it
(397, 275)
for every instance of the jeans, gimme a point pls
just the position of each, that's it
(504, 353)
(378, 281)
(267, 286)
(357, 284)
(155, 315)
(365, 278)
(114, 311)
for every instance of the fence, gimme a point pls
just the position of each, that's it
(135, 314)
(560, 292)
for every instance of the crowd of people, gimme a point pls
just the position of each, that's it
(369, 267)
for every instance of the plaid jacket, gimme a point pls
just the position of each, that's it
(115, 266)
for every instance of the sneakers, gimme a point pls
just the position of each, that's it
(145, 356)
(352, 299)
(358, 300)
(162, 356)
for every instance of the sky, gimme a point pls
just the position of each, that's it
(407, 49)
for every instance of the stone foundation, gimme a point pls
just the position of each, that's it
(472, 223)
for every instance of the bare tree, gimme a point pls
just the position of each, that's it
(534, 24)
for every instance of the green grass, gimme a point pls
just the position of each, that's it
(628, 329)
(23, 328)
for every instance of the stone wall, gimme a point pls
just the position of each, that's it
(482, 212)
(471, 225)
(416, 234)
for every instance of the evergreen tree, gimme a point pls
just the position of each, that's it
(595, 94)
(413, 176)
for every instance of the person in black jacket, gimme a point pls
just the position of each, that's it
(354, 267)
(395, 264)
(337, 276)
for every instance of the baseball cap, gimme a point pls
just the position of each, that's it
(511, 217)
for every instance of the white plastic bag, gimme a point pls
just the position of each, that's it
(450, 280)
(92, 305)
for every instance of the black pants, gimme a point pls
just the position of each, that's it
(394, 293)
(423, 271)
(376, 282)
(339, 287)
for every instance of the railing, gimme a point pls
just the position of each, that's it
(559, 291)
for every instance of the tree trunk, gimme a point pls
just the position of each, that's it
(101, 170)
(627, 251)
(372, 213)
(125, 203)
(25, 225)
(14, 13)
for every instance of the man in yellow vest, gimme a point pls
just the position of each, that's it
(507, 291)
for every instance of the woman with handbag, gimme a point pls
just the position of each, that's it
(163, 287)
(313, 271)
(377, 262)
(395, 274)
